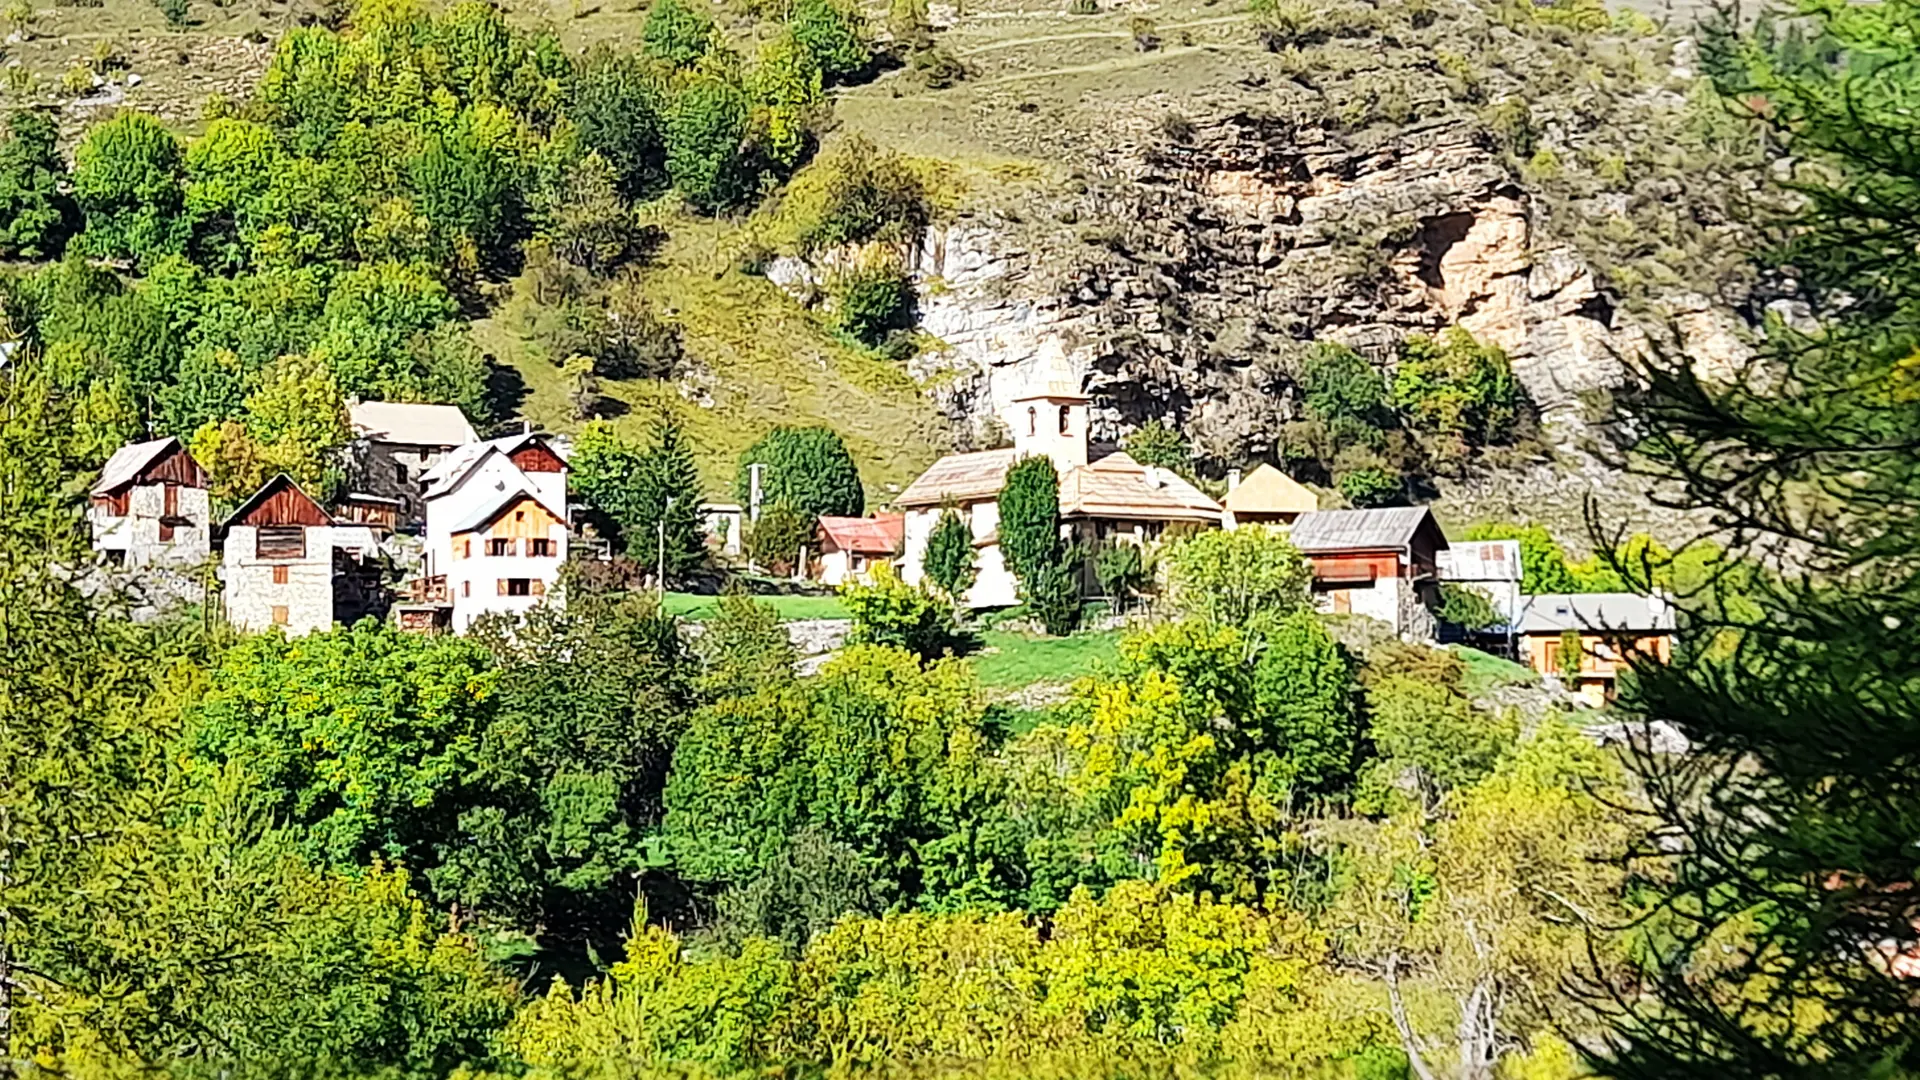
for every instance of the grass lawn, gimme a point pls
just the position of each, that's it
(1486, 671)
(791, 608)
(1022, 661)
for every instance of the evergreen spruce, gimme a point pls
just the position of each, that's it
(949, 558)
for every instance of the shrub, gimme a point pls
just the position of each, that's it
(1160, 444)
(1457, 388)
(616, 106)
(174, 11)
(774, 540)
(949, 558)
(835, 35)
(676, 33)
(910, 24)
(1052, 593)
(872, 299)
(1467, 607)
(705, 127)
(1083, 7)
(807, 468)
(888, 611)
(1122, 570)
(1339, 384)
(854, 193)
(937, 68)
(1370, 486)
(1146, 36)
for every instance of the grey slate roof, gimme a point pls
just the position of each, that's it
(1552, 613)
(1388, 528)
(126, 463)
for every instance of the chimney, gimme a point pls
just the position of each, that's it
(1153, 476)
(1233, 479)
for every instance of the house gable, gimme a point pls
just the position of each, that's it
(518, 516)
(280, 502)
(537, 457)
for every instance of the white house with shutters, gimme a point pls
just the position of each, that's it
(496, 528)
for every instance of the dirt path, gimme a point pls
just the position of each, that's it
(1088, 35)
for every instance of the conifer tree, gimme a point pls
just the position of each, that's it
(1787, 833)
(949, 558)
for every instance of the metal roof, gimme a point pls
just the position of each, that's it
(1552, 613)
(128, 461)
(410, 423)
(866, 536)
(1481, 560)
(1388, 528)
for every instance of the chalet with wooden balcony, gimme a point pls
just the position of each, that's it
(150, 506)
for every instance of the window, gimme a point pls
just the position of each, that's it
(516, 586)
(466, 588)
(399, 473)
(1033, 421)
(519, 515)
(500, 547)
(279, 575)
(166, 530)
(170, 501)
(1066, 419)
(279, 615)
(539, 587)
(466, 549)
(540, 548)
(1553, 658)
(280, 542)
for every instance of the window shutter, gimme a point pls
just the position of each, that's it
(502, 583)
(539, 588)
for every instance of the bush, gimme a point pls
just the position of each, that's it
(705, 128)
(937, 68)
(807, 468)
(835, 35)
(1146, 36)
(872, 299)
(948, 562)
(676, 33)
(1053, 593)
(1467, 607)
(1371, 486)
(616, 108)
(774, 540)
(174, 11)
(888, 611)
(1083, 7)
(1457, 388)
(854, 193)
(1340, 384)
(1160, 444)
(1122, 569)
(1303, 690)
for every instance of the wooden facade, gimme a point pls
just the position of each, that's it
(537, 457)
(280, 502)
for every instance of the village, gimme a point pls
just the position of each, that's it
(483, 527)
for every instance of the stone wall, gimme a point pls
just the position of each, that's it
(251, 593)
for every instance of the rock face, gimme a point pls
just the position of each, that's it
(1185, 274)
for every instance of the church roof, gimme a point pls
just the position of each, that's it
(960, 477)
(1054, 377)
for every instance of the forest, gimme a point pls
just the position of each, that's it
(1261, 842)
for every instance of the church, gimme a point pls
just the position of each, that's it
(1105, 495)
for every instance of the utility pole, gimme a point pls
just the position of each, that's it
(753, 490)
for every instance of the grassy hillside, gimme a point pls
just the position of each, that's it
(755, 359)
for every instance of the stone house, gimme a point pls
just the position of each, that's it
(150, 506)
(1266, 496)
(288, 563)
(1612, 629)
(849, 546)
(394, 445)
(1380, 563)
(497, 528)
(1105, 495)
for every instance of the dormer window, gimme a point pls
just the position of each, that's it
(1066, 419)
(1033, 421)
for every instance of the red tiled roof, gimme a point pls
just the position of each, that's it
(864, 536)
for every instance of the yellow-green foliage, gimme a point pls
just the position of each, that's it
(1145, 973)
